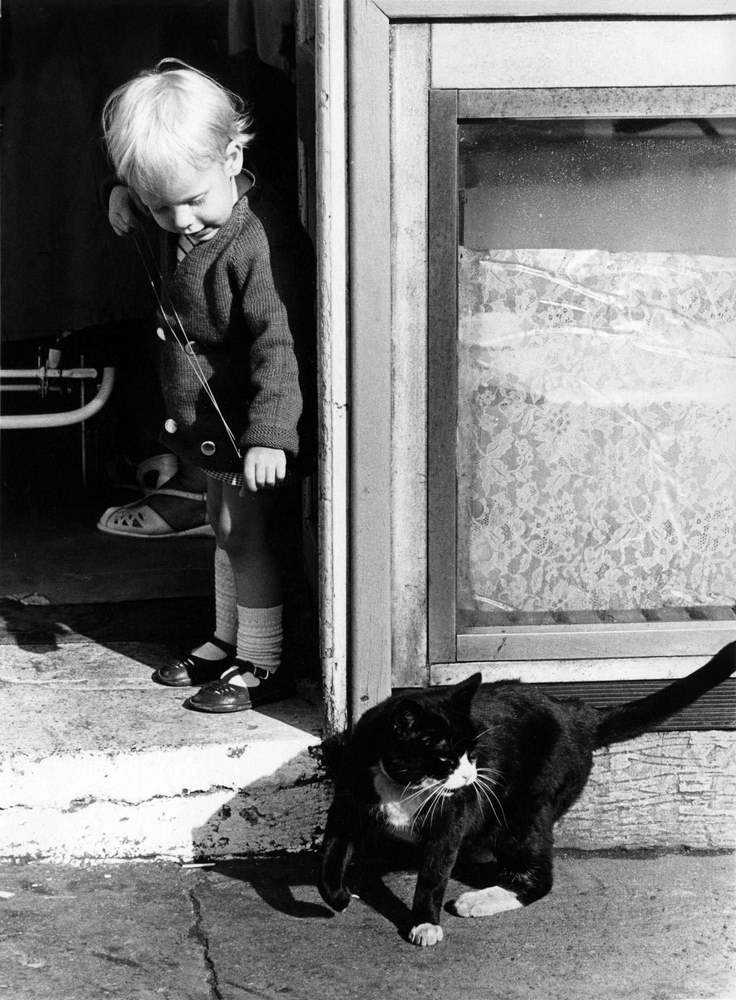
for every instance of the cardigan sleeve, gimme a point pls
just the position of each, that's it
(276, 401)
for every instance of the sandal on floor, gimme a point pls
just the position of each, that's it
(194, 670)
(222, 696)
(139, 520)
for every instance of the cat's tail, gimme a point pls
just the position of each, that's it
(635, 717)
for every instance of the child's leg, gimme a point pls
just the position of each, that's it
(206, 662)
(241, 520)
(241, 524)
(226, 611)
(243, 531)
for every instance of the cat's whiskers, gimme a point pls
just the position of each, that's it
(484, 792)
(433, 791)
(437, 799)
(429, 805)
(486, 786)
(489, 775)
(427, 790)
(489, 770)
(415, 820)
(474, 786)
(419, 790)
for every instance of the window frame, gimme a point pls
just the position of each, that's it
(447, 644)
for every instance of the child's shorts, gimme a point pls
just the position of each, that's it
(238, 479)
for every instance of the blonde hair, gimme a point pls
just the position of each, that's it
(169, 114)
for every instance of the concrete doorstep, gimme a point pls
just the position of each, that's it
(100, 763)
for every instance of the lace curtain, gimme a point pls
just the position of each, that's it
(596, 430)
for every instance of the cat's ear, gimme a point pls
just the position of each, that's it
(462, 694)
(404, 718)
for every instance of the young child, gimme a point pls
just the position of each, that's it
(238, 283)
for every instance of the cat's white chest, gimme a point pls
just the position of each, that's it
(396, 807)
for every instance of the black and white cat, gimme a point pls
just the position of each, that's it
(424, 768)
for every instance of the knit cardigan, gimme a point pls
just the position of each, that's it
(235, 296)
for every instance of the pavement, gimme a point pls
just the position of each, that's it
(628, 927)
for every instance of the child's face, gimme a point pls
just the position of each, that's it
(196, 201)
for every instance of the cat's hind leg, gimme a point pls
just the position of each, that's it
(524, 875)
(485, 902)
(517, 887)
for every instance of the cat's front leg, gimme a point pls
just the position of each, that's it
(434, 874)
(337, 849)
(426, 935)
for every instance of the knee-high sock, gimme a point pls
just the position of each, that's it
(260, 636)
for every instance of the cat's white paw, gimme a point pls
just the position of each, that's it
(425, 935)
(485, 902)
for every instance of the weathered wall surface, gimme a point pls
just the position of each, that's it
(663, 790)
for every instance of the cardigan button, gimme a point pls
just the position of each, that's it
(160, 333)
(170, 426)
(208, 448)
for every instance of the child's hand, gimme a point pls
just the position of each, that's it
(120, 212)
(263, 467)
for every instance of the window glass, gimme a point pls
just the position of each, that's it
(597, 361)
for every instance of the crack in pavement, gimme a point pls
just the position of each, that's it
(197, 933)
